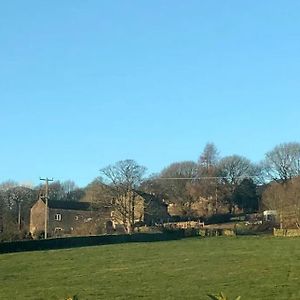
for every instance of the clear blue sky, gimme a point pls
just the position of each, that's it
(87, 83)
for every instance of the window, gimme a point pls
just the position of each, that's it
(76, 218)
(57, 217)
(87, 220)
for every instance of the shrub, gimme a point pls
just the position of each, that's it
(221, 296)
(75, 297)
(218, 218)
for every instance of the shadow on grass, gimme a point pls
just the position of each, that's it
(73, 242)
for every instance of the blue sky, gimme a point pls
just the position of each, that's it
(87, 83)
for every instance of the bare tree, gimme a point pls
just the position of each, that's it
(20, 199)
(15, 204)
(209, 184)
(283, 162)
(282, 167)
(184, 169)
(56, 190)
(176, 181)
(6, 185)
(245, 196)
(98, 193)
(232, 171)
(68, 186)
(285, 199)
(63, 190)
(208, 159)
(71, 192)
(6, 218)
(123, 177)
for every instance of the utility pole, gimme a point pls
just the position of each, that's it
(19, 215)
(46, 204)
(216, 196)
(1, 214)
(132, 196)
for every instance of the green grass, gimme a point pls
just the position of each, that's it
(253, 267)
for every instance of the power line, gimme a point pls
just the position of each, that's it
(204, 177)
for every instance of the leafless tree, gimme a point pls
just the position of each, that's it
(20, 199)
(208, 185)
(63, 190)
(285, 199)
(176, 181)
(232, 171)
(282, 168)
(123, 177)
(15, 204)
(5, 211)
(208, 159)
(68, 186)
(6, 185)
(184, 169)
(98, 193)
(283, 162)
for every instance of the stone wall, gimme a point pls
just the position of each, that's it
(37, 217)
(286, 232)
(62, 222)
(76, 222)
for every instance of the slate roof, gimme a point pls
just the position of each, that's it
(151, 198)
(69, 205)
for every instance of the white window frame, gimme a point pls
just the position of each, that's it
(57, 217)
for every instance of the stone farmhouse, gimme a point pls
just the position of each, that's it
(152, 209)
(68, 218)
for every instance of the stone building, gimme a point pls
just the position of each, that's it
(154, 209)
(69, 218)
(148, 210)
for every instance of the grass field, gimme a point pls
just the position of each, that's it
(253, 267)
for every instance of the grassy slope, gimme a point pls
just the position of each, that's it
(253, 267)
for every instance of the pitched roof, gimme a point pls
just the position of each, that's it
(71, 205)
(151, 198)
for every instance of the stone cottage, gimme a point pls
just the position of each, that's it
(69, 218)
(139, 208)
(155, 210)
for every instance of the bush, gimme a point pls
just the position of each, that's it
(252, 229)
(218, 218)
(75, 297)
(221, 296)
(14, 235)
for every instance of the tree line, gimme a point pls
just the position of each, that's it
(216, 184)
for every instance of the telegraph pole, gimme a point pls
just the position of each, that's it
(216, 195)
(19, 215)
(46, 204)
